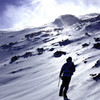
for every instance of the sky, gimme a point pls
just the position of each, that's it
(28, 13)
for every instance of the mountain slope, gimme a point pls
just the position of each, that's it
(30, 62)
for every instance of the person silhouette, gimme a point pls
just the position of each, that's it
(66, 73)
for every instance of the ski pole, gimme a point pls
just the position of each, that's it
(58, 82)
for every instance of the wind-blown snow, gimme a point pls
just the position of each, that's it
(31, 59)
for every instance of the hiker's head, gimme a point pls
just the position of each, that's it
(69, 59)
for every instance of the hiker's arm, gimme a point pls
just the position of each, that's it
(60, 75)
(62, 70)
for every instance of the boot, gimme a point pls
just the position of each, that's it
(65, 96)
(60, 93)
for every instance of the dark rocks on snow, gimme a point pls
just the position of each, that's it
(59, 53)
(27, 54)
(97, 64)
(13, 59)
(64, 42)
(31, 35)
(46, 40)
(51, 49)
(97, 39)
(55, 44)
(7, 46)
(13, 72)
(58, 29)
(45, 35)
(40, 50)
(85, 45)
(96, 76)
(78, 54)
(87, 34)
(4, 46)
(85, 61)
(97, 45)
(28, 36)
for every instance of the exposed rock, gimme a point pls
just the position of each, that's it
(45, 35)
(58, 29)
(87, 34)
(97, 45)
(7, 46)
(85, 45)
(4, 46)
(59, 53)
(40, 50)
(97, 39)
(13, 59)
(97, 64)
(29, 36)
(51, 49)
(27, 54)
(96, 76)
(85, 61)
(65, 42)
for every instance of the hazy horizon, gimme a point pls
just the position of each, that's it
(24, 13)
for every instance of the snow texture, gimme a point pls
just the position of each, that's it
(31, 59)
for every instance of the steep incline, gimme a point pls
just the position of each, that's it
(30, 61)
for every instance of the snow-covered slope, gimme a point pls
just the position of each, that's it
(30, 61)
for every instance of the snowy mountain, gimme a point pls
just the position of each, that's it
(66, 20)
(31, 59)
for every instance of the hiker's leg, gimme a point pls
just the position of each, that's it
(65, 91)
(67, 81)
(61, 90)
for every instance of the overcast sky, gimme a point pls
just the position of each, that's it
(23, 13)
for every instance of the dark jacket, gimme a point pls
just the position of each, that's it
(67, 69)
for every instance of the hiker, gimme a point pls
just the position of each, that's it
(65, 74)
